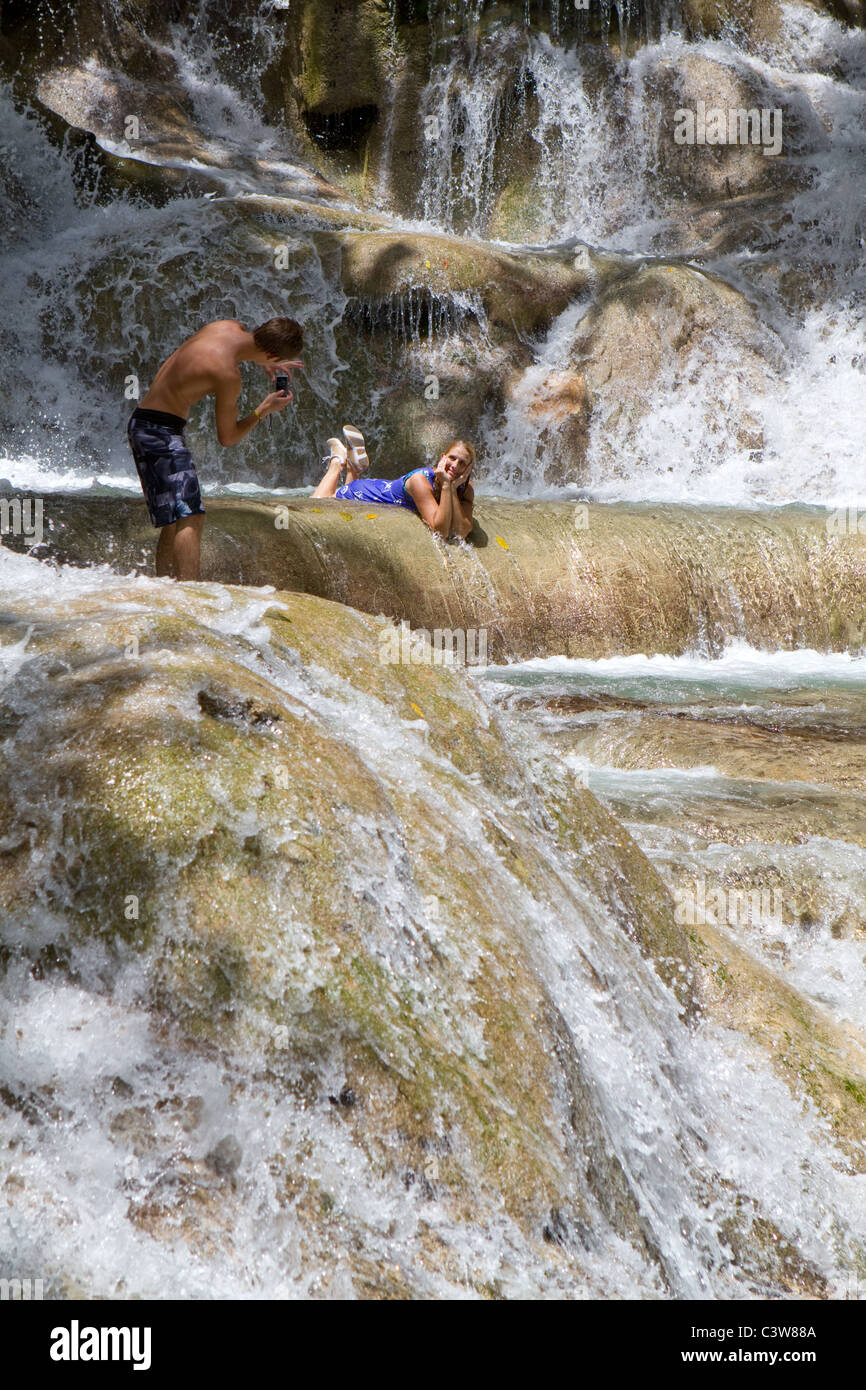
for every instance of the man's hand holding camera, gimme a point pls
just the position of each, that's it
(281, 376)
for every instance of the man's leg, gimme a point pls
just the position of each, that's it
(187, 546)
(164, 549)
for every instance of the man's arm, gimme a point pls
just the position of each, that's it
(231, 430)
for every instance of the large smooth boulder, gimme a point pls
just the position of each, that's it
(729, 179)
(760, 19)
(226, 815)
(648, 331)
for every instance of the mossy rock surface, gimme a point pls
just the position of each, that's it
(536, 579)
(206, 818)
(823, 1063)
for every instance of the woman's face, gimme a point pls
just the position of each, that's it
(456, 464)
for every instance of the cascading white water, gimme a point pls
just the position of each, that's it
(670, 793)
(110, 1119)
(91, 302)
(596, 178)
(697, 1118)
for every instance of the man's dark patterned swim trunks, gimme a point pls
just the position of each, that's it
(165, 467)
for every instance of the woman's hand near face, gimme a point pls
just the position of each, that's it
(457, 465)
(464, 497)
(462, 478)
(443, 507)
(441, 473)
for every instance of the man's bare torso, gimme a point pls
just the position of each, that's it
(204, 362)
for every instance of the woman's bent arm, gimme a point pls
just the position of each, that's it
(439, 516)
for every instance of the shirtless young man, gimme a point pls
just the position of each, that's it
(206, 364)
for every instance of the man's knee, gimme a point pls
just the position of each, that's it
(191, 523)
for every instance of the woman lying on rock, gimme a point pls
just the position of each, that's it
(442, 496)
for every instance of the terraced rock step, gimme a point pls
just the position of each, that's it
(539, 578)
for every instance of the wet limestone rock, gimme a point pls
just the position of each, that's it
(759, 19)
(730, 180)
(289, 896)
(434, 328)
(149, 134)
(520, 292)
(538, 579)
(343, 49)
(816, 1057)
(649, 329)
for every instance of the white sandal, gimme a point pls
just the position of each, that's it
(357, 449)
(337, 450)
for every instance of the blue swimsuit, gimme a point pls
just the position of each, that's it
(387, 492)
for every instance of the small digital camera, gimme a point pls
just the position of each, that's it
(281, 383)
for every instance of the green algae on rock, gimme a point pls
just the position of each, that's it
(537, 578)
(215, 832)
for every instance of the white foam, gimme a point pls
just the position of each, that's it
(739, 664)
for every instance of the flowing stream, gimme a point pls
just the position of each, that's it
(182, 1115)
(81, 269)
(113, 1127)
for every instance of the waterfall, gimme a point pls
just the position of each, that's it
(86, 322)
(330, 973)
(520, 130)
(237, 1105)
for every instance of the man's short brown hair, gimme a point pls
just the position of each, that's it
(279, 338)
